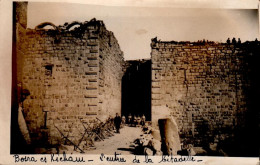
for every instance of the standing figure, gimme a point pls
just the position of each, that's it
(134, 121)
(234, 40)
(143, 120)
(123, 120)
(228, 41)
(138, 119)
(239, 41)
(117, 122)
(129, 119)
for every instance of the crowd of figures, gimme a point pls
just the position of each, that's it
(131, 121)
(135, 120)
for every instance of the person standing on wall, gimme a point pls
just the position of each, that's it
(117, 122)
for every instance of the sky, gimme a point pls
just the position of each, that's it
(134, 26)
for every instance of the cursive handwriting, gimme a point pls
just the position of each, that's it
(64, 158)
(147, 159)
(18, 158)
(117, 157)
(114, 158)
(171, 159)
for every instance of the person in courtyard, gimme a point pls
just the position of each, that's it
(117, 122)
(138, 119)
(129, 119)
(134, 121)
(143, 120)
(123, 120)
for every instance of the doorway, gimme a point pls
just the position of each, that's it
(136, 89)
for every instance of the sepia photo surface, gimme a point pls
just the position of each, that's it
(105, 79)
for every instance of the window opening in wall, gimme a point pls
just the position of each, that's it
(48, 69)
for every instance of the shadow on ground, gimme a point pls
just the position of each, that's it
(132, 150)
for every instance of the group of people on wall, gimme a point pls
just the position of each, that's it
(132, 121)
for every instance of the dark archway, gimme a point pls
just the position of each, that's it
(136, 89)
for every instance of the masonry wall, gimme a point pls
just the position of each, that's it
(70, 75)
(111, 72)
(207, 87)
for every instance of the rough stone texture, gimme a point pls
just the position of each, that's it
(206, 86)
(111, 62)
(23, 127)
(20, 30)
(18, 141)
(169, 136)
(71, 73)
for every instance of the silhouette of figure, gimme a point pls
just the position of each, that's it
(117, 122)
(129, 119)
(239, 41)
(234, 40)
(228, 41)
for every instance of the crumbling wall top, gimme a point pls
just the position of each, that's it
(80, 27)
(158, 43)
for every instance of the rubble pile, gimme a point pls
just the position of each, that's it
(147, 144)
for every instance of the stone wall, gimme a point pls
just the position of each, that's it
(72, 72)
(111, 71)
(206, 86)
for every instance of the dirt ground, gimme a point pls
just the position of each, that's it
(120, 143)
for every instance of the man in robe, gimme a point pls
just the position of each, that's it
(117, 122)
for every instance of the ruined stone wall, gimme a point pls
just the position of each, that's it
(111, 72)
(20, 32)
(204, 86)
(64, 69)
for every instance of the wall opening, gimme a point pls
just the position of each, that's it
(48, 70)
(136, 89)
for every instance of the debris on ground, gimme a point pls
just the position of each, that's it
(146, 144)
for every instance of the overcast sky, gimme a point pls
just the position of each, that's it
(135, 26)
